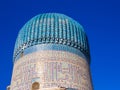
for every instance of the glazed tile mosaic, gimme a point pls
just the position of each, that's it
(51, 53)
(51, 69)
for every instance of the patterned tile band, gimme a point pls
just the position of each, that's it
(52, 28)
(57, 47)
(51, 69)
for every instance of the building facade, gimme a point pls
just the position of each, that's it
(51, 53)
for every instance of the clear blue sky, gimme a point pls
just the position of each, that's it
(100, 19)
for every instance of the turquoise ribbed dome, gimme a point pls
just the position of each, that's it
(52, 28)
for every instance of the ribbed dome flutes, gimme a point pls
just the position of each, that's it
(52, 28)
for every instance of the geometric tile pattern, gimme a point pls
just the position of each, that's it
(51, 69)
(57, 47)
(52, 28)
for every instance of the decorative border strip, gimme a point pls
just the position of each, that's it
(48, 41)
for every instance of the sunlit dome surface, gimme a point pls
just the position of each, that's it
(52, 28)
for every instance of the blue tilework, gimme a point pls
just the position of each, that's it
(52, 28)
(57, 47)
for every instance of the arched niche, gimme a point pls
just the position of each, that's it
(36, 86)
